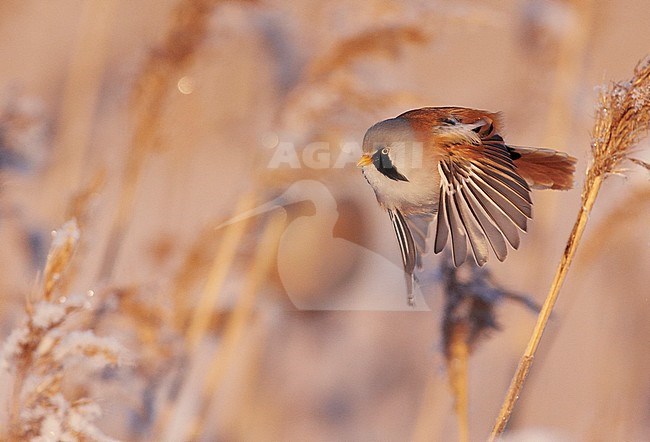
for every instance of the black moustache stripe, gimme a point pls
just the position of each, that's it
(384, 165)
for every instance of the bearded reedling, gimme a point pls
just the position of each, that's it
(450, 166)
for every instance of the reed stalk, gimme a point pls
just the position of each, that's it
(458, 366)
(240, 318)
(622, 120)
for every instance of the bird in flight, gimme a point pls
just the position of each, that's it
(450, 167)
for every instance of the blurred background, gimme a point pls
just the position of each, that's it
(156, 121)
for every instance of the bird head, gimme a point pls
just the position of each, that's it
(392, 148)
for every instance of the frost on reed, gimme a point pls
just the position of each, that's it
(46, 354)
(622, 120)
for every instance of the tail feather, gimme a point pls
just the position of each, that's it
(545, 168)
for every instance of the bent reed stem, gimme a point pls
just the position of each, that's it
(517, 383)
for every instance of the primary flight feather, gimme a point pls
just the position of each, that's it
(449, 167)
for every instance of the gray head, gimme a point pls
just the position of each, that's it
(392, 147)
(387, 133)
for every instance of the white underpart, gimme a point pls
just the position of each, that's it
(418, 195)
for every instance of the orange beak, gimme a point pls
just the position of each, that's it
(365, 160)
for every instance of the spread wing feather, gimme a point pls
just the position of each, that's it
(483, 199)
(419, 227)
(410, 255)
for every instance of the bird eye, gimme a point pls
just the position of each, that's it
(384, 165)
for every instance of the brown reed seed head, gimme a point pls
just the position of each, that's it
(471, 297)
(387, 40)
(622, 120)
(64, 244)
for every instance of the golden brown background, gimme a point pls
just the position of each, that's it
(97, 122)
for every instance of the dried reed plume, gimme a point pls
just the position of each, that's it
(42, 352)
(622, 120)
(328, 86)
(388, 40)
(162, 70)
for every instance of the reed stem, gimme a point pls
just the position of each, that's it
(517, 383)
(458, 375)
(218, 272)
